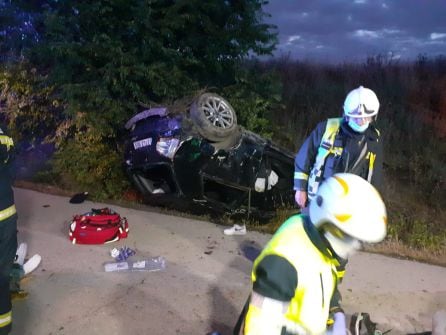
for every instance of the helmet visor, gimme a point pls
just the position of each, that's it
(340, 235)
(336, 232)
(361, 111)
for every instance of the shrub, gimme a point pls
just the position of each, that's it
(86, 162)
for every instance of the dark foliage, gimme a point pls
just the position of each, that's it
(104, 59)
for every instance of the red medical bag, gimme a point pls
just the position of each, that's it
(98, 227)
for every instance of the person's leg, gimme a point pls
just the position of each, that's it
(8, 248)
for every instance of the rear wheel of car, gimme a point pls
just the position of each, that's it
(214, 116)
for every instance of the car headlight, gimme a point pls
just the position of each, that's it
(167, 146)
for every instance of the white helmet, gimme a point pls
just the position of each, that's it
(361, 102)
(348, 209)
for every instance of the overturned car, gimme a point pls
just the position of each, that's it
(197, 154)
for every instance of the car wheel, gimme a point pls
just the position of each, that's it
(214, 116)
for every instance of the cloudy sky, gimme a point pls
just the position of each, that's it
(351, 30)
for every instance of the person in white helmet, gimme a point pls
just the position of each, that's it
(348, 144)
(295, 277)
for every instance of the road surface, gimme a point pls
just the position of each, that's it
(203, 288)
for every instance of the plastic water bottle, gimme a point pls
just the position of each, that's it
(148, 264)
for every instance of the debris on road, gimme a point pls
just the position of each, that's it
(122, 254)
(79, 198)
(150, 264)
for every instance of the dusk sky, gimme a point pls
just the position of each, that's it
(351, 30)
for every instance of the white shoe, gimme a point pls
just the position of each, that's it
(32, 264)
(21, 253)
(235, 230)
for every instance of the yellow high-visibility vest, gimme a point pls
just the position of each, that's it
(317, 278)
(327, 147)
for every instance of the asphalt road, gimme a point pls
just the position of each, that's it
(202, 289)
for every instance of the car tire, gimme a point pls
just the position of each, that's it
(214, 117)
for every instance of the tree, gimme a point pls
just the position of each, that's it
(109, 55)
(106, 57)
(17, 31)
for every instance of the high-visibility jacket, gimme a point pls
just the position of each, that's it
(8, 230)
(334, 147)
(296, 266)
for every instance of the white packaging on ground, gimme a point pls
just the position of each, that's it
(148, 264)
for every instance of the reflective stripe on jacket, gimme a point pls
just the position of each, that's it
(7, 213)
(316, 278)
(5, 320)
(326, 147)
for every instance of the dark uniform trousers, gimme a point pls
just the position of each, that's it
(8, 230)
(8, 247)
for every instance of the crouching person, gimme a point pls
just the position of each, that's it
(295, 277)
